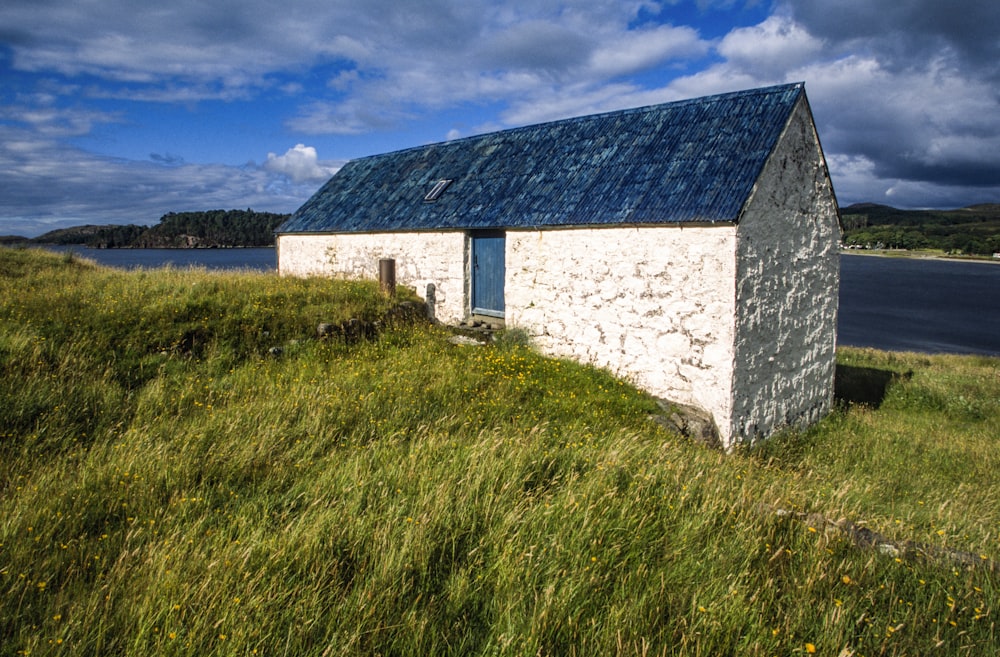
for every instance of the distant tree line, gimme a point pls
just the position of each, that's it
(112, 237)
(212, 228)
(970, 231)
(208, 229)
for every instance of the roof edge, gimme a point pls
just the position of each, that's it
(679, 225)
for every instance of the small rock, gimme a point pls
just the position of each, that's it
(888, 548)
(690, 421)
(464, 341)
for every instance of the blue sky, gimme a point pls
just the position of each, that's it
(113, 111)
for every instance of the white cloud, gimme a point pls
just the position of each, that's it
(716, 79)
(920, 135)
(389, 57)
(47, 184)
(637, 50)
(552, 104)
(44, 117)
(354, 116)
(770, 48)
(343, 80)
(537, 44)
(854, 178)
(300, 164)
(931, 124)
(515, 53)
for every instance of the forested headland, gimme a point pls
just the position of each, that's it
(974, 230)
(185, 230)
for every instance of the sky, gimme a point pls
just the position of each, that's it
(119, 111)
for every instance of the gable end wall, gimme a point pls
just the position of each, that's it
(788, 273)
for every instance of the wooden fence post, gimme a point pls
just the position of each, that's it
(387, 276)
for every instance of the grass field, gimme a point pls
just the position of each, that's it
(171, 486)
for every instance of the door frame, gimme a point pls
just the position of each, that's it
(474, 274)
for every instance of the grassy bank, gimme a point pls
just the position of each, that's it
(170, 486)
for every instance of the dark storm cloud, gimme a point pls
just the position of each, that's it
(907, 92)
(909, 32)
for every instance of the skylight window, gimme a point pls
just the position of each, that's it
(437, 190)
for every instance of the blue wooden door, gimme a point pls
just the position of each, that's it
(488, 274)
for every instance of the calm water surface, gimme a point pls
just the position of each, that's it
(897, 304)
(257, 259)
(911, 304)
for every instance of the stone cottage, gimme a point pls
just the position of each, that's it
(691, 247)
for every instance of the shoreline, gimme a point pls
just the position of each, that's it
(904, 254)
(149, 248)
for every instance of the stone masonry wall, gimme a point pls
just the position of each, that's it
(738, 320)
(653, 304)
(787, 285)
(421, 258)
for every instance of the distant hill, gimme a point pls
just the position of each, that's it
(209, 229)
(885, 214)
(973, 230)
(110, 235)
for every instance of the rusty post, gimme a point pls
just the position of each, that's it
(387, 276)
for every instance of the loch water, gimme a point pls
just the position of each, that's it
(897, 304)
(258, 259)
(919, 304)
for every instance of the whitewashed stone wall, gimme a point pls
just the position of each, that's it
(653, 304)
(738, 320)
(787, 283)
(421, 258)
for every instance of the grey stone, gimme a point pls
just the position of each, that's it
(690, 421)
(464, 341)
(431, 299)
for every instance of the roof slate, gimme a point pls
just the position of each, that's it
(688, 161)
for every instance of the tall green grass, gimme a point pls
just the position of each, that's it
(169, 486)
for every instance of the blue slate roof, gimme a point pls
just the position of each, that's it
(688, 161)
